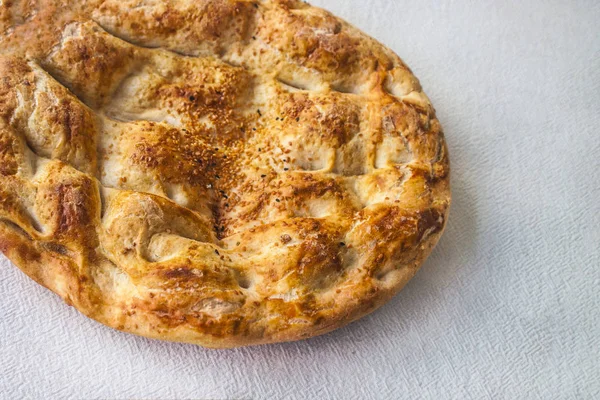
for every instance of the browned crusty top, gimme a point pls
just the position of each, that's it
(213, 171)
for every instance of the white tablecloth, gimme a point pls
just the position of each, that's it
(508, 304)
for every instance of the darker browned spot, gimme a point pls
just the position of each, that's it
(320, 262)
(430, 220)
(72, 206)
(285, 238)
(8, 161)
(56, 248)
(179, 273)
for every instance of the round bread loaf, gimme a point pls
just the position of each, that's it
(219, 172)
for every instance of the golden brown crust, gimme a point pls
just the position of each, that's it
(220, 172)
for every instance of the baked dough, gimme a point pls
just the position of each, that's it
(219, 172)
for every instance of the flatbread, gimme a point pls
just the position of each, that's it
(224, 173)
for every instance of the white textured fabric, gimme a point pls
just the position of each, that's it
(508, 306)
